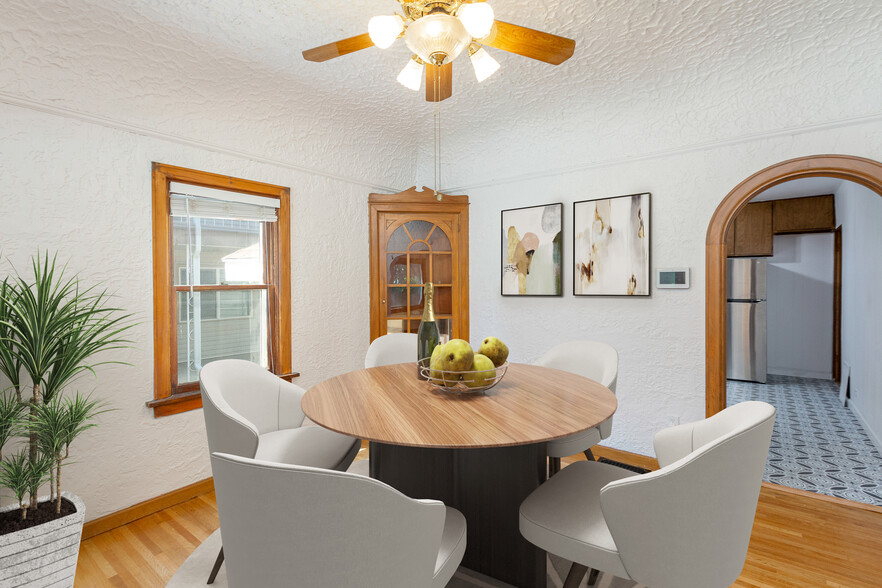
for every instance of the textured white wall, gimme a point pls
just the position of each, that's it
(674, 98)
(859, 211)
(800, 306)
(660, 339)
(84, 190)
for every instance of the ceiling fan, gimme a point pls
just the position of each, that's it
(438, 31)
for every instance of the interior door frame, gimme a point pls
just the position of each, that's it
(865, 172)
(837, 304)
(423, 202)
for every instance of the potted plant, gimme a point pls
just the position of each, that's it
(51, 329)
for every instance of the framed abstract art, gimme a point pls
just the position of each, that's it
(532, 251)
(611, 239)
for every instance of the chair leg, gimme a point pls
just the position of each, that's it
(574, 578)
(216, 568)
(553, 466)
(589, 455)
(592, 577)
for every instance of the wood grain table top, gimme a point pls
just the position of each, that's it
(388, 404)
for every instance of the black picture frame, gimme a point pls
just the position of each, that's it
(540, 221)
(608, 248)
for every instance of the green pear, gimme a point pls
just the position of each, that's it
(435, 365)
(484, 372)
(495, 349)
(457, 356)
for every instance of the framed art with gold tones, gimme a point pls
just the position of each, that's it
(532, 251)
(611, 246)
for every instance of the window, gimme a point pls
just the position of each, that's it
(221, 279)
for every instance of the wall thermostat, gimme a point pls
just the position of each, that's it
(672, 277)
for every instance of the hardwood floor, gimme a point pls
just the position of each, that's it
(798, 540)
(147, 552)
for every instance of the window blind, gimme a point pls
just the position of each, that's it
(197, 201)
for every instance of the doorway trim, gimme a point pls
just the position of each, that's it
(865, 172)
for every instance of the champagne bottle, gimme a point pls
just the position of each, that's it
(428, 335)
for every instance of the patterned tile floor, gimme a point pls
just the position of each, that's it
(817, 444)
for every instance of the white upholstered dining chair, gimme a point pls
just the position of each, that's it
(250, 412)
(287, 525)
(391, 348)
(686, 525)
(594, 360)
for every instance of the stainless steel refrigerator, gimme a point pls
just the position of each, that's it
(746, 319)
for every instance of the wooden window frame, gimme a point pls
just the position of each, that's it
(168, 397)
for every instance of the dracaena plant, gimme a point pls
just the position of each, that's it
(52, 329)
(24, 476)
(57, 423)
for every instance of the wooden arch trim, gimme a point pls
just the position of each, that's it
(865, 172)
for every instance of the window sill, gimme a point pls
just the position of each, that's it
(191, 400)
(176, 403)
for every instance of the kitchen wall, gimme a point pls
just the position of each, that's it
(660, 339)
(800, 306)
(859, 211)
(84, 190)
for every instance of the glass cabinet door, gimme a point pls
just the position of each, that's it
(417, 251)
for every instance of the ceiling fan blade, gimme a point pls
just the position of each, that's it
(440, 77)
(530, 43)
(332, 50)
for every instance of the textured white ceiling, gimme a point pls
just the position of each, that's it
(800, 188)
(646, 75)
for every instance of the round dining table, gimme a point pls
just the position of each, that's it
(482, 453)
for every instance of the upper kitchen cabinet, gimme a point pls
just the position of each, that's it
(805, 215)
(750, 234)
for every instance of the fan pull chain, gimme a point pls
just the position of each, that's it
(437, 129)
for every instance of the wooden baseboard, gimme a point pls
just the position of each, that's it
(148, 507)
(634, 459)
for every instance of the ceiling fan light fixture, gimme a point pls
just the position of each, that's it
(477, 18)
(411, 76)
(437, 38)
(484, 65)
(384, 29)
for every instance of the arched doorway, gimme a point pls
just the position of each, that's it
(856, 169)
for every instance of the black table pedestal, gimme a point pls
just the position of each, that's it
(487, 486)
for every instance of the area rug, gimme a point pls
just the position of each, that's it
(194, 572)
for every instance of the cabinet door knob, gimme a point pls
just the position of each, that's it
(384, 301)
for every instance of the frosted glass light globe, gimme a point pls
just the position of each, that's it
(437, 38)
(485, 66)
(411, 76)
(477, 18)
(384, 29)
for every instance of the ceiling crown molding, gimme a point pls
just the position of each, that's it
(103, 121)
(787, 132)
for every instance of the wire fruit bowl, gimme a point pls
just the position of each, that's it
(461, 382)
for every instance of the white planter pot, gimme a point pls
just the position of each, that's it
(45, 555)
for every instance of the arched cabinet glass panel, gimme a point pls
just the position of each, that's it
(417, 252)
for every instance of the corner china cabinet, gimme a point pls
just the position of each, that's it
(414, 239)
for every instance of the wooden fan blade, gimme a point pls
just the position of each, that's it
(440, 77)
(332, 50)
(529, 43)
